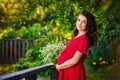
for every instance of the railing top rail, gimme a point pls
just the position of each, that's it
(26, 72)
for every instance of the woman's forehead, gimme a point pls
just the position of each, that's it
(82, 17)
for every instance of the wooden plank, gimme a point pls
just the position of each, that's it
(11, 51)
(15, 49)
(6, 49)
(27, 44)
(19, 49)
(0, 50)
(23, 48)
(3, 49)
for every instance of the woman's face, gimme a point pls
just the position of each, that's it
(81, 23)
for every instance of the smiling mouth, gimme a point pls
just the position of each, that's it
(79, 27)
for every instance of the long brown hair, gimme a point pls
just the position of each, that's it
(91, 31)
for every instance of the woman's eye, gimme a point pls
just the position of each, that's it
(84, 22)
(78, 19)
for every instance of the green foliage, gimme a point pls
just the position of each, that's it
(59, 17)
(100, 57)
(22, 64)
(110, 30)
(33, 32)
(22, 33)
(32, 54)
(31, 59)
(11, 34)
(100, 74)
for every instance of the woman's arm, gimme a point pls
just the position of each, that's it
(70, 62)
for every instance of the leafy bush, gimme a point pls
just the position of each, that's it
(100, 74)
(22, 64)
(7, 69)
(101, 56)
(51, 52)
(31, 59)
(9, 33)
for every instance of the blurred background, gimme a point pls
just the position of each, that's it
(34, 32)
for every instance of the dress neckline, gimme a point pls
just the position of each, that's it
(79, 36)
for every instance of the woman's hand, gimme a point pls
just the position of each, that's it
(57, 67)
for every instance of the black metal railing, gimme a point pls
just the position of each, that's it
(31, 73)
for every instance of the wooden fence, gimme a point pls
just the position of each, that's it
(11, 50)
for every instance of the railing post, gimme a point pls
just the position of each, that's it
(32, 77)
(53, 74)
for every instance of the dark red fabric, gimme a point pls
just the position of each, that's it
(77, 71)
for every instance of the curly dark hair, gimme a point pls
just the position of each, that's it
(91, 29)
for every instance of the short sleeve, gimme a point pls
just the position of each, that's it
(82, 46)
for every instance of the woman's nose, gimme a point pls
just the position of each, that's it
(79, 23)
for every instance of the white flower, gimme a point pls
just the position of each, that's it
(51, 52)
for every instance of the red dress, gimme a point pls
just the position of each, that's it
(77, 71)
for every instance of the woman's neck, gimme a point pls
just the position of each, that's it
(81, 32)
